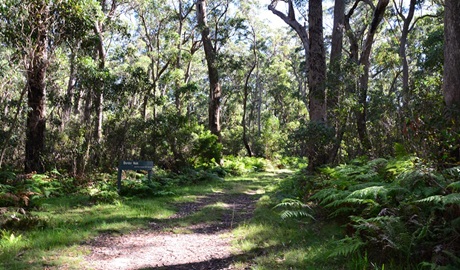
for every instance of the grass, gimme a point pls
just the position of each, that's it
(264, 242)
(273, 243)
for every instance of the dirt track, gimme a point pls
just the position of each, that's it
(202, 246)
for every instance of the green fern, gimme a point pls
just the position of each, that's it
(453, 172)
(431, 199)
(453, 198)
(455, 186)
(293, 208)
(327, 196)
(369, 192)
(341, 211)
(295, 214)
(346, 247)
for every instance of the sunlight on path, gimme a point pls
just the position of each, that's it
(206, 241)
(153, 250)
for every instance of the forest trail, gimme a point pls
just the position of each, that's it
(196, 237)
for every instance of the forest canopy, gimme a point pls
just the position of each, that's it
(88, 83)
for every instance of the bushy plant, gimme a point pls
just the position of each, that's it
(207, 151)
(401, 210)
(24, 190)
(241, 165)
(234, 166)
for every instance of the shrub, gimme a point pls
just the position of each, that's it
(400, 210)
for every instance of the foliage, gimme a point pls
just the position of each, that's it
(293, 209)
(312, 140)
(207, 150)
(400, 210)
(238, 166)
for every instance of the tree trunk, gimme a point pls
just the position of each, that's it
(364, 61)
(402, 51)
(215, 90)
(336, 88)
(72, 82)
(451, 83)
(243, 121)
(317, 73)
(335, 57)
(99, 98)
(316, 82)
(36, 94)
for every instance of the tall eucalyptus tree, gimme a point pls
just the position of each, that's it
(210, 50)
(362, 59)
(451, 84)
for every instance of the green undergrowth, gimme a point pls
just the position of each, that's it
(264, 242)
(46, 219)
(271, 241)
(399, 213)
(46, 228)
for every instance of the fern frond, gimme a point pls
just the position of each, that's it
(342, 211)
(295, 214)
(358, 201)
(453, 198)
(291, 203)
(324, 193)
(365, 185)
(295, 209)
(326, 196)
(347, 246)
(454, 186)
(454, 172)
(431, 199)
(369, 192)
(334, 204)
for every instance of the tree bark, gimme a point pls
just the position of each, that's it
(215, 90)
(336, 56)
(451, 83)
(402, 51)
(36, 94)
(364, 61)
(316, 83)
(317, 63)
(336, 87)
(243, 120)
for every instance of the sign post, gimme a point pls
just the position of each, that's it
(134, 165)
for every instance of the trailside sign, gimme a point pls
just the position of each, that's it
(134, 165)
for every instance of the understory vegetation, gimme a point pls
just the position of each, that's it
(43, 216)
(396, 213)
